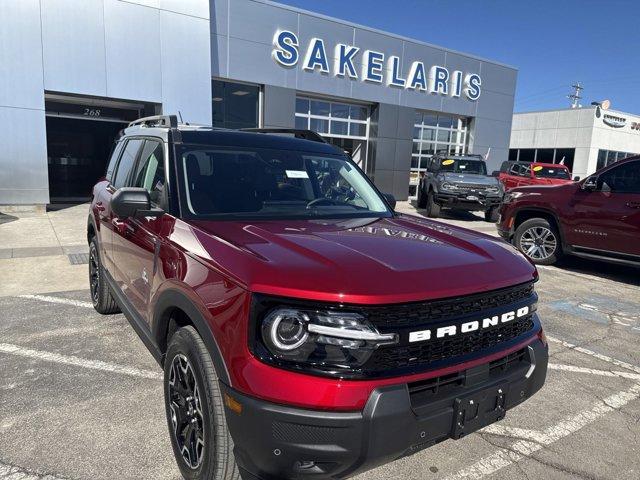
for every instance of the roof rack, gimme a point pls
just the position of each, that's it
(167, 121)
(296, 132)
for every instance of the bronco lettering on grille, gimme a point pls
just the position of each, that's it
(467, 327)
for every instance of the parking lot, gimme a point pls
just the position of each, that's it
(81, 398)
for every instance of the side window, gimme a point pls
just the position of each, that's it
(127, 160)
(150, 170)
(515, 170)
(622, 179)
(113, 161)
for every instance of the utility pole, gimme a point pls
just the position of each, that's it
(575, 96)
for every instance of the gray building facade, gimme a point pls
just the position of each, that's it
(75, 71)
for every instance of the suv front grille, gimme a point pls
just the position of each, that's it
(432, 314)
(412, 314)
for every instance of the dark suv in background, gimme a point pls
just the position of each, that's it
(596, 218)
(305, 329)
(459, 183)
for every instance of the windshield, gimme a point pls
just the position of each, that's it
(259, 183)
(459, 165)
(551, 172)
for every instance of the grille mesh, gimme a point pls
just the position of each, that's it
(417, 315)
(412, 314)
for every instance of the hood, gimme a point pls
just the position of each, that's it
(471, 178)
(363, 261)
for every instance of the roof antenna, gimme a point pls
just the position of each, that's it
(180, 115)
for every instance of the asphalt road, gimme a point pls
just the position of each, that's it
(80, 397)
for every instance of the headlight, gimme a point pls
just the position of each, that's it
(324, 339)
(511, 196)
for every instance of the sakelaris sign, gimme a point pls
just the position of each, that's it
(375, 67)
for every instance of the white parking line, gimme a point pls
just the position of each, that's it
(524, 448)
(593, 371)
(78, 362)
(9, 472)
(599, 356)
(64, 301)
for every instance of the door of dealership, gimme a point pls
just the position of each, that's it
(80, 135)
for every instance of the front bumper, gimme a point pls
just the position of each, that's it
(279, 442)
(470, 200)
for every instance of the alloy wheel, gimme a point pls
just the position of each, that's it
(538, 243)
(187, 418)
(94, 275)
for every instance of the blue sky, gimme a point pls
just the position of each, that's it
(552, 43)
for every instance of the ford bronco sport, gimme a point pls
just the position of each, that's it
(306, 330)
(459, 183)
(597, 218)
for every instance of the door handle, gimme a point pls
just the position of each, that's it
(100, 207)
(121, 227)
(633, 204)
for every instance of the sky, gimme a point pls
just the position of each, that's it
(553, 44)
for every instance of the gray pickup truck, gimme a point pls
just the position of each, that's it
(460, 183)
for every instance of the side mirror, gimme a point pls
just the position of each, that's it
(133, 202)
(576, 178)
(590, 184)
(391, 200)
(495, 173)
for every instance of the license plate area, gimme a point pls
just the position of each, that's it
(478, 410)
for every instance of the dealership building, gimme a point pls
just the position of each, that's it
(586, 139)
(75, 72)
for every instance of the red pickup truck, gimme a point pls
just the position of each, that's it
(522, 174)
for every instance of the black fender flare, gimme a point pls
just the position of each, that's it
(174, 298)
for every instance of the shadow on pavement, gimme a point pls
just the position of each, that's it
(610, 271)
(5, 218)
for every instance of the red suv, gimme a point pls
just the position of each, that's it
(522, 174)
(597, 218)
(305, 329)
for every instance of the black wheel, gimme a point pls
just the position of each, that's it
(433, 209)
(422, 200)
(200, 438)
(492, 214)
(539, 241)
(101, 295)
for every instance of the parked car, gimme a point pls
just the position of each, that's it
(596, 218)
(522, 174)
(459, 183)
(304, 327)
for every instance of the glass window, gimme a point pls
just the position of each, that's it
(339, 128)
(527, 154)
(513, 154)
(445, 121)
(463, 166)
(623, 179)
(602, 159)
(428, 148)
(339, 110)
(259, 183)
(320, 108)
(358, 112)
(114, 159)
(235, 105)
(430, 119)
(127, 160)
(302, 105)
(565, 156)
(444, 136)
(416, 147)
(319, 125)
(545, 155)
(150, 171)
(358, 129)
(414, 161)
(302, 123)
(428, 134)
(418, 117)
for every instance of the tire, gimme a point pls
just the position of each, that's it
(211, 456)
(101, 295)
(539, 241)
(422, 201)
(433, 209)
(492, 214)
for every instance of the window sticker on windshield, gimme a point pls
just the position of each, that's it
(462, 167)
(448, 162)
(537, 168)
(297, 174)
